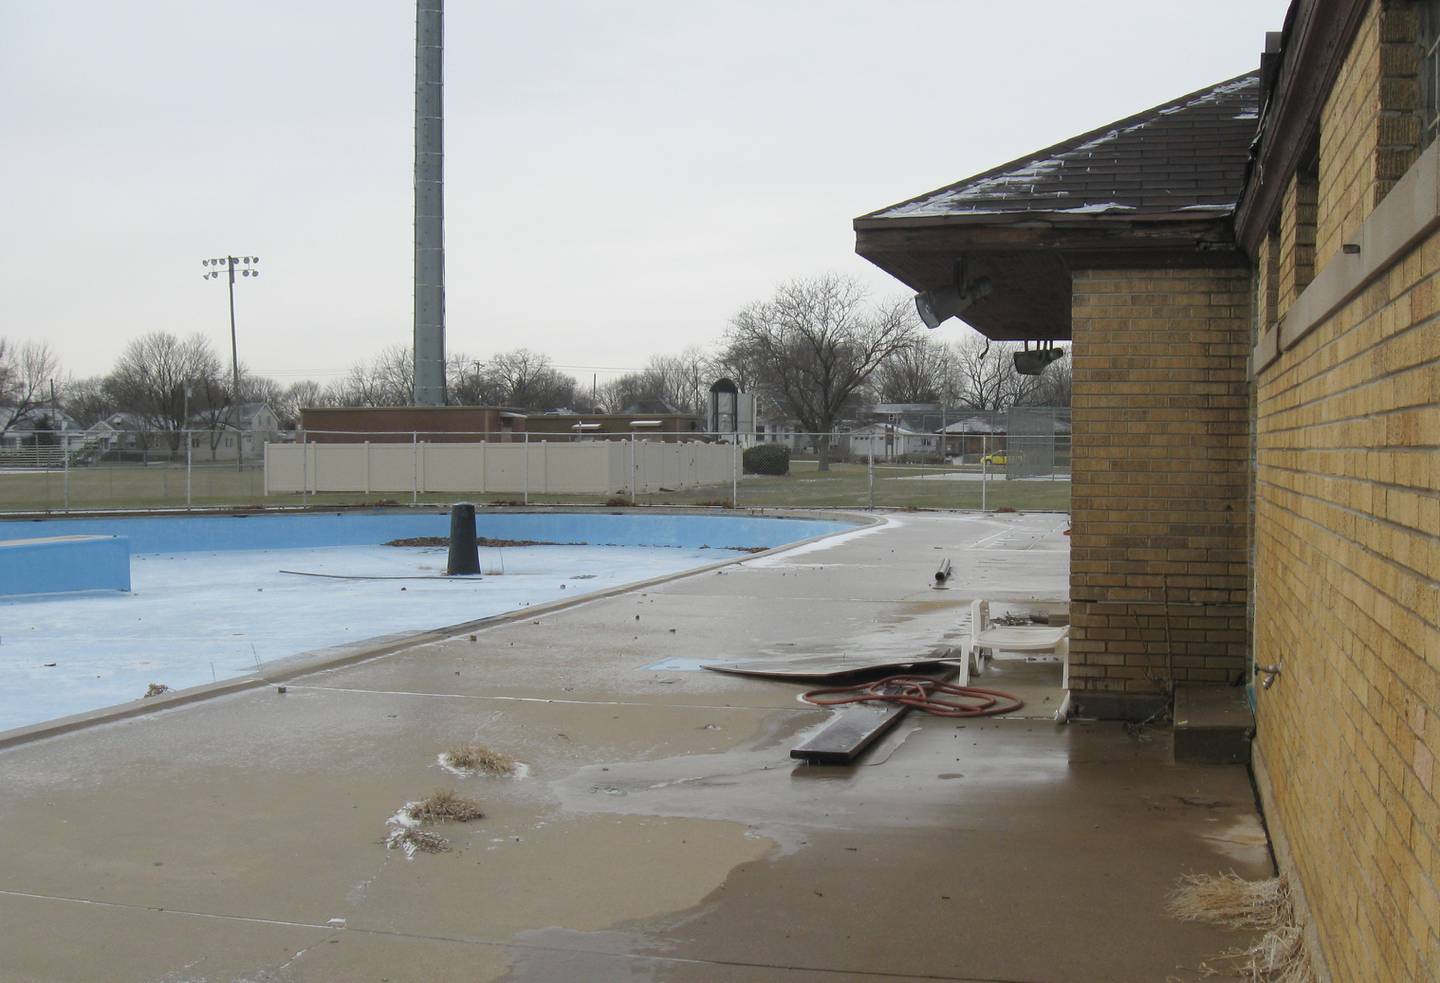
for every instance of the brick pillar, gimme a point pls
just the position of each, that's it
(1296, 262)
(1397, 142)
(1267, 286)
(1158, 567)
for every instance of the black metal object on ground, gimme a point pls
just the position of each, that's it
(853, 728)
(464, 555)
(823, 666)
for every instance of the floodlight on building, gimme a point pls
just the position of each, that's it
(1029, 362)
(939, 305)
(585, 426)
(647, 423)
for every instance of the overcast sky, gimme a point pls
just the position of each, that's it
(620, 176)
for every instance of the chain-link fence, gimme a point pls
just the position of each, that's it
(969, 467)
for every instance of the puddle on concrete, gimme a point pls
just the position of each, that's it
(546, 954)
(1242, 840)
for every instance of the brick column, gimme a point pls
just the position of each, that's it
(1158, 568)
(1295, 265)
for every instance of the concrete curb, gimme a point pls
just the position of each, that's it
(335, 657)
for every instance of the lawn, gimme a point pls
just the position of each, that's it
(848, 485)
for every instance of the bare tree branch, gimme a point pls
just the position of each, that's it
(815, 343)
(27, 372)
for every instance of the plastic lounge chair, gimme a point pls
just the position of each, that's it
(987, 638)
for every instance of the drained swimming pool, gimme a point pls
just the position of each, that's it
(220, 597)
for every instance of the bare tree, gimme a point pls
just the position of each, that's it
(296, 397)
(1055, 384)
(983, 375)
(388, 379)
(681, 380)
(27, 377)
(88, 400)
(814, 344)
(527, 380)
(467, 383)
(152, 374)
(624, 390)
(259, 389)
(912, 375)
(212, 402)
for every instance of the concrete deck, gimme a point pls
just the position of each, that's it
(662, 832)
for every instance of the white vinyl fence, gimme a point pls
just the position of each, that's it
(602, 467)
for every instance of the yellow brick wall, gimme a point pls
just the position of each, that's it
(1348, 141)
(1369, 130)
(1158, 570)
(1347, 596)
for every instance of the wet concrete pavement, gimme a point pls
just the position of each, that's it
(662, 831)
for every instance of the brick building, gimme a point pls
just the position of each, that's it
(402, 424)
(1249, 277)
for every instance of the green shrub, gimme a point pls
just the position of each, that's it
(767, 459)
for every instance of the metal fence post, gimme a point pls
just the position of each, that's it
(735, 473)
(185, 436)
(525, 469)
(305, 472)
(984, 469)
(632, 467)
(65, 457)
(870, 471)
(414, 468)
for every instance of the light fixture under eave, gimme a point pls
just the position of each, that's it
(1034, 362)
(938, 306)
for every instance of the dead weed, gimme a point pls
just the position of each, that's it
(445, 806)
(409, 839)
(1278, 956)
(478, 759)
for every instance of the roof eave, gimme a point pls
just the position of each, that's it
(1044, 219)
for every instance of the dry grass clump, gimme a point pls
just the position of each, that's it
(156, 689)
(410, 839)
(477, 759)
(444, 806)
(1279, 955)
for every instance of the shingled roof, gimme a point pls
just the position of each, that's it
(1184, 158)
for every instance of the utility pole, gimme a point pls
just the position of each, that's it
(246, 265)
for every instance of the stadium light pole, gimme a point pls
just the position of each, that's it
(227, 267)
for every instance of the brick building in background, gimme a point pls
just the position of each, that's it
(1249, 278)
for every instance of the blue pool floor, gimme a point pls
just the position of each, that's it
(194, 617)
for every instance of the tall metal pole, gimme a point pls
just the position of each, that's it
(429, 203)
(247, 267)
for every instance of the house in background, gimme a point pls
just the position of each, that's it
(1250, 275)
(244, 430)
(892, 442)
(39, 425)
(122, 435)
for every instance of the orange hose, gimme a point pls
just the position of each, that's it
(920, 692)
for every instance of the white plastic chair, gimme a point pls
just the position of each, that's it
(987, 637)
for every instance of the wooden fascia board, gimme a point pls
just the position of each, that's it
(1211, 233)
(1323, 32)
